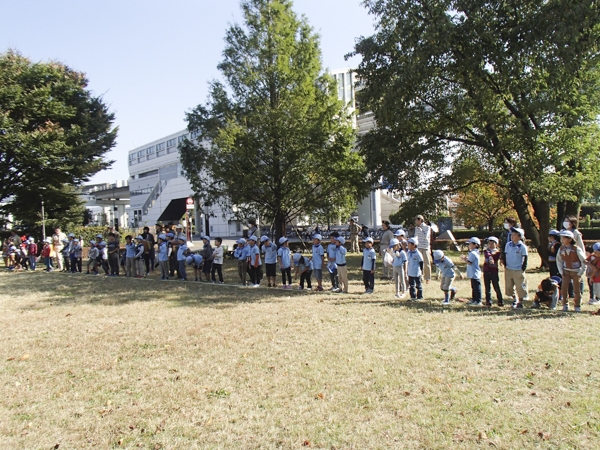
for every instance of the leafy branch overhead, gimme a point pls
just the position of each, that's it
(273, 138)
(512, 85)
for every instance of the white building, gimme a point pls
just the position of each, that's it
(158, 190)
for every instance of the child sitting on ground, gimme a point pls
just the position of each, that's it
(548, 293)
(448, 273)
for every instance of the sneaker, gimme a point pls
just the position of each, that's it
(397, 296)
(488, 304)
(476, 303)
(577, 309)
(369, 292)
(565, 308)
(335, 290)
(213, 282)
(446, 302)
(403, 295)
(221, 282)
(536, 305)
(300, 288)
(320, 289)
(500, 304)
(256, 285)
(594, 301)
(517, 305)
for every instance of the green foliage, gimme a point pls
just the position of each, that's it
(274, 140)
(512, 85)
(53, 134)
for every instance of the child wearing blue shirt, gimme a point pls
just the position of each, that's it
(368, 265)
(241, 255)
(163, 256)
(340, 261)
(270, 251)
(195, 261)
(474, 271)
(447, 272)
(130, 251)
(285, 262)
(318, 256)
(398, 267)
(181, 257)
(303, 267)
(254, 262)
(515, 259)
(414, 269)
(331, 266)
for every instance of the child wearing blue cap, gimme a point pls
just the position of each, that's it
(284, 257)
(163, 256)
(75, 253)
(241, 255)
(254, 262)
(217, 264)
(270, 251)
(553, 246)
(195, 261)
(368, 265)
(340, 261)
(474, 271)
(182, 253)
(318, 259)
(515, 258)
(448, 273)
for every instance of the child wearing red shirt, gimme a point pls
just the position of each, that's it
(491, 256)
(46, 250)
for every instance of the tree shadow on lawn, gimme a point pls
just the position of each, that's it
(435, 307)
(68, 289)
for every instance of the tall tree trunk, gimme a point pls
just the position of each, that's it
(491, 225)
(560, 214)
(572, 208)
(521, 206)
(279, 222)
(541, 209)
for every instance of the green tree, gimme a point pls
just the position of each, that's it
(54, 134)
(276, 141)
(514, 85)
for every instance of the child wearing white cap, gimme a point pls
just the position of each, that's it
(318, 258)
(32, 252)
(491, 259)
(414, 270)
(368, 265)
(269, 249)
(284, 256)
(47, 254)
(398, 268)
(474, 271)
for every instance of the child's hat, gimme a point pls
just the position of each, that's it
(92, 242)
(99, 236)
(264, 238)
(183, 239)
(70, 235)
(437, 255)
(282, 240)
(394, 242)
(162, 236)
(102, 244)
(297, 257)
(341, 240)
(64, 240)
(317, 236)
(556, 280)
(241, 241)
(75, 240)
(399, 233)
(170, 235)
(253, 238)
(48, 240)
(596, 247)
(520, 231)
(474, 240)
(204, 238)
(413, 240)
(493, 239)
(554, 233)
(566, 233)
(369, 239)
(140, 238)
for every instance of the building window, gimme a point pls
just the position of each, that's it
(141, 153)
(182, 138)
(131, 156)
(171, 143)
(131, 162)
(160, 146)
(150, 150)
(348, 88)
(148, 174)
(340, 82)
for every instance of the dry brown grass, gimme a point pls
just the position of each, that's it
(116, 363)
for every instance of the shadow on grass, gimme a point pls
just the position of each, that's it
(435, 307)
(64, 289)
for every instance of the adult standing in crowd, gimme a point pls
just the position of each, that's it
(253, 230)
(384, 243)
(423, 234)
(57, 246)
(354, 231)
(149, 243)
(570, 223)
(15, 238)
(509, 223)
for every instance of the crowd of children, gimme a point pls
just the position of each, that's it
(173, 258)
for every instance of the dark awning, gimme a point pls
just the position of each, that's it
(174, 211)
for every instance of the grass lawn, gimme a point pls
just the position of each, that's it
(95, 362)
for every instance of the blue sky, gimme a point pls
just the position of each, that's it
(151, 60)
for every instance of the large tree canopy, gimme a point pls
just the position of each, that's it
(54, 133)
(275, 140)
(512, 84)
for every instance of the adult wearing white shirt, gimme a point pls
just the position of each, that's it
(423, 234)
